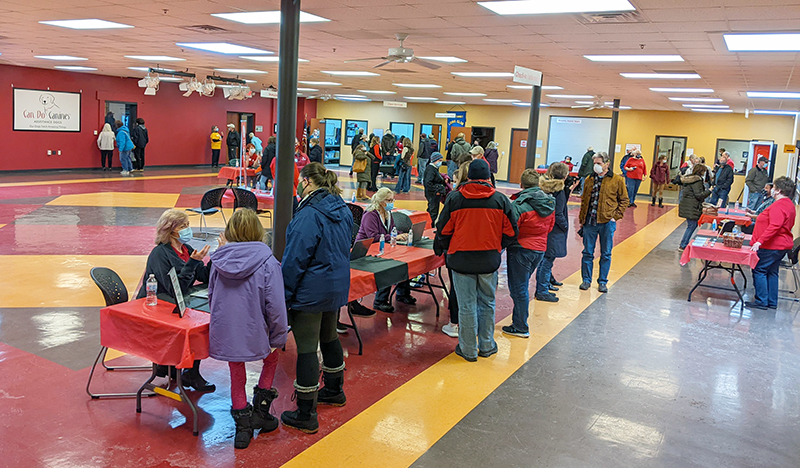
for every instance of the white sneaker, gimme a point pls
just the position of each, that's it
(451, 330)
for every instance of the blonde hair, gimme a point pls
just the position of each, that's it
(244, 226)
(169, 221)
(383, 194)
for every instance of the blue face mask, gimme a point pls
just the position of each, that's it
(390, 206)
(437, 164)
(185, 235)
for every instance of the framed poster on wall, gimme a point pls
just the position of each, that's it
(37, 110)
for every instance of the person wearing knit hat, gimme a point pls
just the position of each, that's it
(479, 170)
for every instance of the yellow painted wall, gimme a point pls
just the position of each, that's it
(702, 130)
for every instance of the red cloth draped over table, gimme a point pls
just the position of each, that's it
(231, 173)
(738, 216)
(720, 253)
(265, 200)
(155, 333)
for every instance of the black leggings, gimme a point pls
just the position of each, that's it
(139, 153)
(376, 166)
(214, 157)
(433, 207)
(310, 329)
(452, 300)
(106, 155)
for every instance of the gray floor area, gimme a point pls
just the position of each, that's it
(643, 378)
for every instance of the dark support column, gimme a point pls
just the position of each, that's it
(533, 128)
(287, 123)
(612, 143)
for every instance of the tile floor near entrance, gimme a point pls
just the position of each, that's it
(637, 377)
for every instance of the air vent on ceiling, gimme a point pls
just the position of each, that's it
(624, 17)
(206, 28)
(397, 70)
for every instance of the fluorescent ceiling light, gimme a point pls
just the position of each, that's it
(767, 42)
(267, 58)
(528, 104)
(266, 17)
(570, 96)
(75, 68)
(417, 98)
(169, 78)
(142, 69)
(155, 58)
(466, 94)
(377, 91)
(544, 7)
(241, 71)
(320, 83)
(444, 59)
(86, 24)
(723, 111)
(683, 90)
(452, 103)
(775, 112)
(415, 85)
(506, 101)
(67, 58)
(634, 58)
(706, 106)
(695, 99)
(222, 48)
(364, 99)
(584, 102)
(354, 96)
(530, 87)
(308, 90)
(349, 73)
(662, 75)
(483, 74)
(772, 95)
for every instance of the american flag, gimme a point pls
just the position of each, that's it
(305, 134)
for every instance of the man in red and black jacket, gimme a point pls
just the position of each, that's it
(474, 227)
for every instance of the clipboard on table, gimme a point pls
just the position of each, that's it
(180, 308)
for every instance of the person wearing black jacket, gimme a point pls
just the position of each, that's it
(388, 147)
(233, 140)
(140, 140)
(554, 183)
(173, 251)
(435, 188)
(723, 179)
(315, 152)
(423, 157)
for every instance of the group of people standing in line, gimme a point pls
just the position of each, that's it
(130, 143)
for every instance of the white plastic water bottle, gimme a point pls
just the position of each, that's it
(394, 237)
(736, 206)
(382, 243)
(410, 237)
(353, 200)
(152, 291)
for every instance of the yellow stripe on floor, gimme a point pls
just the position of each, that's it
(109, 179)
(118, 199)
(402, 426)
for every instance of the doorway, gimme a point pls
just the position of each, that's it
(674, 149)
(519, 154)
(125, 112)
(482, 136)
(235, 118)
(434, 132)
(333, 140)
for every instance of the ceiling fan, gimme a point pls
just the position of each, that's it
(324, 95)
(596, 103)
(398, 55)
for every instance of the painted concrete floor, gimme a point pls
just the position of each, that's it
(637, 377)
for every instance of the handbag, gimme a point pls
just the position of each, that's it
(360, 165)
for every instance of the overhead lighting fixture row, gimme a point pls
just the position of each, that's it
(241, 71)
(661, 75)
(501, 101)
(375, 91)
(266, 17)
(65, 58)
(155, 58)
(570, 96)
(775, 112)
(683, 90)
(466, 94)
(773, 95)
(444, 59)
(452, 103)
(483, 74)
(415, 85)
(349, 73)
(706, 106)
(721, 111)
(222, 48)
(695, 99)
(320, 83)
(419, 98)
(634, 58)
(539, 7)
(266, 58)
(530, 87)
(86, 24)
(75, 68)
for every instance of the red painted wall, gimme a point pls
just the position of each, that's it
(178, 126)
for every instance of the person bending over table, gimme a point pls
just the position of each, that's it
(378, 220)
(772, 239)
(172, 251)
(316, 278)
(248, 319)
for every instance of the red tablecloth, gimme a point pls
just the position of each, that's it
(738, 216)
(265, 200)
(231, 173)
(720, 253)
(415, 216)
(155, 333)
(544, 171)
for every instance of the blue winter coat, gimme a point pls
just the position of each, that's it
(246, 299)
(557, 238)
(124, 142)
(316, 261)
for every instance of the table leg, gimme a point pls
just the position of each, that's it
(701, 278)
(736, 288)
(188, 402)
(141, 389)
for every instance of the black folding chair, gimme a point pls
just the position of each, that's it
(358, 213)
(243, 198)
(210, 204)
(791, 264)
(114, 292)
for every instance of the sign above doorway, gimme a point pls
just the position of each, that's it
(527, 76)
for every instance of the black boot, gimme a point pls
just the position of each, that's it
(192, 378)
(262, 400)
(661, 203)
(244, 428)
(332, 393)
(654, 202)
(305, 418)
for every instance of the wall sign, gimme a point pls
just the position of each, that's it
(523, 143)
(395, 104)
(445, 115)
(46, 111)
(527, 76)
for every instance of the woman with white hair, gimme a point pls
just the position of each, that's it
(173, 251)
(491, 156)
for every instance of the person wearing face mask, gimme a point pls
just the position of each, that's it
(216, 145)
(173, 251)
(316, 278)
(435, 188)
(755, 181)
(635, 170)
(603, 203)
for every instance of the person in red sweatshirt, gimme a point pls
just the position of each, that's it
(475, 225)
(636, 170)
(534, 210)
(772, 239)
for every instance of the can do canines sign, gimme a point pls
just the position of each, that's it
(46, 111)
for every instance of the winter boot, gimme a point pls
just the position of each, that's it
(244, 428)
(661, 203)
(332, 393)
(305, 418)
(262, 400)
(654, 202)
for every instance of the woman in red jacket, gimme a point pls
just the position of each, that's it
(658, 178)
(636, 171)
(772, 239)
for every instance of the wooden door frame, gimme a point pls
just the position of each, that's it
(510, 148)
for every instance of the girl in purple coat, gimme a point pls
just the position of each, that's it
(248, 319)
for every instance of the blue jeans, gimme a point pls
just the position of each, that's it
(422, 163)
(452, 167)
(475, 312)
(125, 160)
(590, 234)
(719, 194)
(403, 179)
(543, 275)
(765, 277)
(691, 225)
(382, 295)
(520, 264)
(633, 188)
(754, 200)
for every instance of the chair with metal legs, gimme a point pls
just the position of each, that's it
(114, 292)
(210, 204)
(791, 264)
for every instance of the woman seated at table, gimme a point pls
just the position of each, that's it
(172, 251)
(772, 239)
(378, 220)
(690, 206)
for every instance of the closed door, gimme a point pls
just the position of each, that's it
(519, 151)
